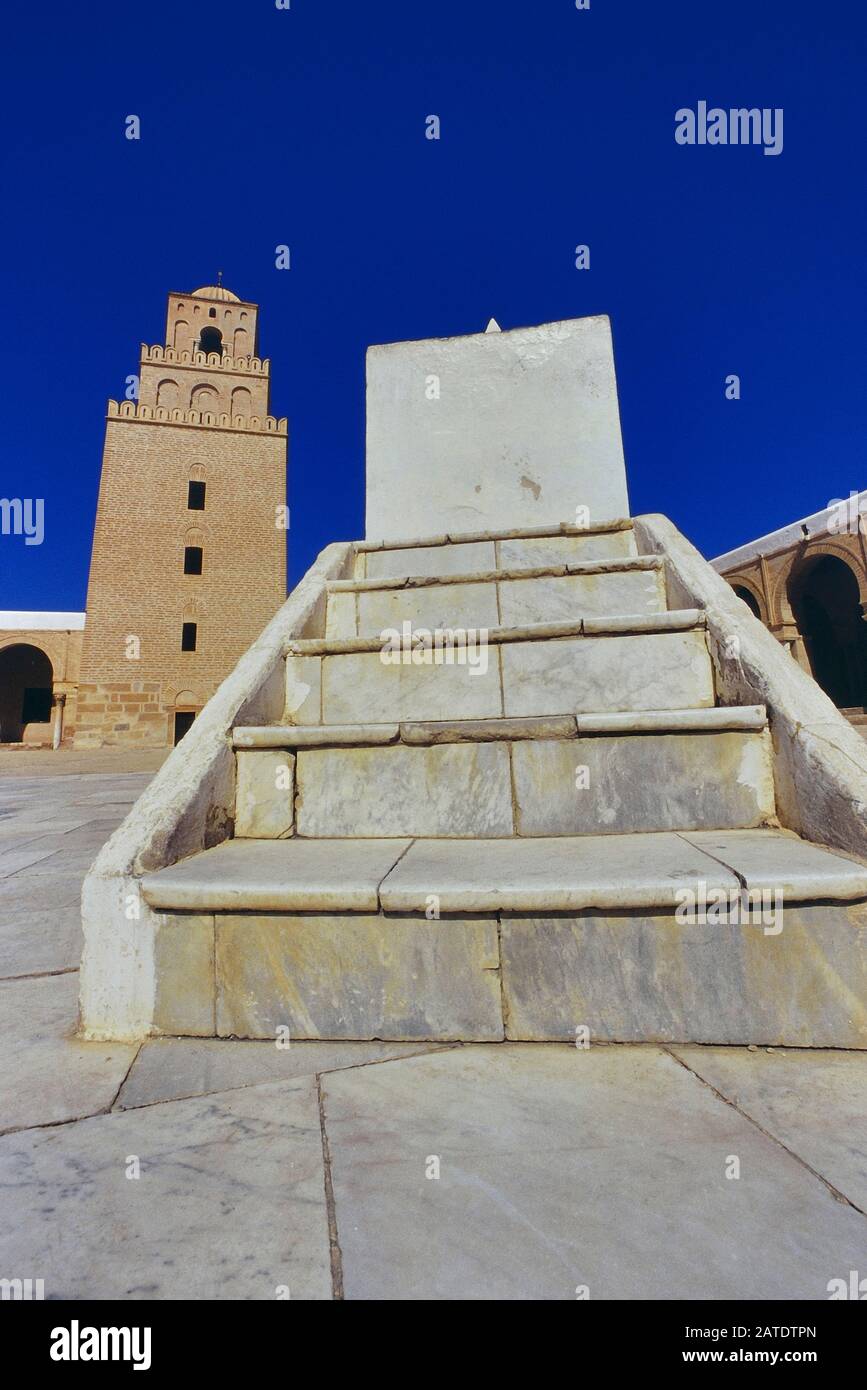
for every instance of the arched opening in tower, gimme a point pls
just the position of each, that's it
(26, 679)
(826, 604)
(211, 340)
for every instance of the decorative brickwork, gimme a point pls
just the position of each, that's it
(811, 592)
(61, 648)
(203, 417)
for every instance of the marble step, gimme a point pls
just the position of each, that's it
(625, 662)
(440, 781)
(510, 598)
(700, 720)
(490, 550)
(535, 939)
(551, 874)
(439, 639)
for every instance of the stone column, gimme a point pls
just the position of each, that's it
(59, 703)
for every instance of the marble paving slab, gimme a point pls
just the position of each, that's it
(229, 1204)
(174, 1068)
(40, 923)
(47, 1075)
(562, 1169)
(813, 1101)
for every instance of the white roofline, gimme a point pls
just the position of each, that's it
(816, 524)
(20, 620)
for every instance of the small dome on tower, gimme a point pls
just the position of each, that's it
(215, 292)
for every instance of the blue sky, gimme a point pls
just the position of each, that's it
(307, 127)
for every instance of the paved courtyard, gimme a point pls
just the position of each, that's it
(209, 1169)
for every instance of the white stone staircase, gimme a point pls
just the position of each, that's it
(500, 846)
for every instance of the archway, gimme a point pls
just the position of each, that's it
(26, 680)
(749, 599)
(826, 605)
(211, 340)
(187, 706)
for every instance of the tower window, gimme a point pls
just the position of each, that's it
(195, 496)
(192, 559)
(210, 339)
(188, 637)
(212, 313)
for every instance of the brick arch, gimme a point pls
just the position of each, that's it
(826, 594)
(203, 396)
(51, 648)
(28, 671)
(737, 581)
(167, 393)
(804, 557)
(175, 695)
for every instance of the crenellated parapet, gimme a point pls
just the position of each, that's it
(183, 357)
(253, 424)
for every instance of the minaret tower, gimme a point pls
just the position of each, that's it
(189, 547)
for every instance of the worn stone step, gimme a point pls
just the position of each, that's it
(490, 550)
(659, 937)
(617, 564)
(719, 717)
(621, 663)
(356, 976)
(489, 600)
(560, 874)
(277, 875)
(499, 787)
(626, 975)
(439, 640)
(794, 980)
(614, 872)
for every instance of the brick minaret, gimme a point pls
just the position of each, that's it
(189, 547)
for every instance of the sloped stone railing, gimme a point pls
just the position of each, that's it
(820, 761)
(188, 807)
(820, 766)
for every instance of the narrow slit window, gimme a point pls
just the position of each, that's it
(195, 496)
(188, 637)
(192, 559)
